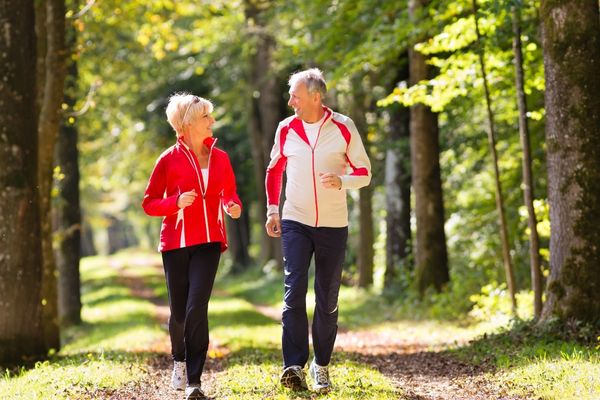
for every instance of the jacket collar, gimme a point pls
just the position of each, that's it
(209, 142)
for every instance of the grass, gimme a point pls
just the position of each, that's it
(119, 336)
(540, 362)
(109, 350)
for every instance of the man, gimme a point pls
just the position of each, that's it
(322, 154)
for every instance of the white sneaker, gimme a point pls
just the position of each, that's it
(320, 376)
(194, 392)
(178, 378)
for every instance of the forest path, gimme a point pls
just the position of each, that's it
(419, 367)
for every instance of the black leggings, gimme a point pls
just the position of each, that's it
(190, 274)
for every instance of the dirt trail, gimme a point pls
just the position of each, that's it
(421, 370)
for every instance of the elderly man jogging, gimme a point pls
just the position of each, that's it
(322, 154)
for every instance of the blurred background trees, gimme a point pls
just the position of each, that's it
(410, 75)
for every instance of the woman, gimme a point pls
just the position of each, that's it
(190, 186)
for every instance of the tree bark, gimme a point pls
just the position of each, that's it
(48, 128)
(528, 192)
(264, 116)
(431, 257)
(67, 211)
(571, 48)
(359, 105)
(397, 191)
(508, 266)
(21, 328)
(239, 235)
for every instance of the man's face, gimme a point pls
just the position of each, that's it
(303, 102)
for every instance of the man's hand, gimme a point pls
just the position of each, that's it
(273, 225)
(234, 210)
(186, 198)
(330, 181)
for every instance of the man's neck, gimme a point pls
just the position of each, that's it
(315, 117)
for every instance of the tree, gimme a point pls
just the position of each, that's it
(397, 184)
(431, 258)
(264, 112)
(508, 265)
(571, 45)
(528, 192)
(360, 104)
(52, 88)
(67, 210)
(21, 328)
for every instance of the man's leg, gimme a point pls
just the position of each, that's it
(297, 252)
(330, 249)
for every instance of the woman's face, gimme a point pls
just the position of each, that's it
(203, 125)
(200, 129)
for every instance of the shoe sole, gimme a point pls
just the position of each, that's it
(197, 397)
(292, 381)
(322, 390)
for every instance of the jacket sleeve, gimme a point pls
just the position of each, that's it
(230, 187)
(359, 174)
(274, 175)
(155, 203)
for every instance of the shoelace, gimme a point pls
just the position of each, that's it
(322, 375)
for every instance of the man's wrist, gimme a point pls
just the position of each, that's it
(272, 210)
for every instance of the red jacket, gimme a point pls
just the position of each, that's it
(176, 171)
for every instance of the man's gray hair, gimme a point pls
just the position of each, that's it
(312, 78)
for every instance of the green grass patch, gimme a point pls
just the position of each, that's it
(545, 363)
(110, 348)
(254, 364)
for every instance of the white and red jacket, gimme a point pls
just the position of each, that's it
(177, 170)
(338, 149)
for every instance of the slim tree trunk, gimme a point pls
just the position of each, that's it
(431, 257)
(359, 106)
(48, 128)
(528, 192)
(239, 235)
(508, 267)
(397, 187)
(264, 115)
(21, 328)
(571, 43)
(67, 211)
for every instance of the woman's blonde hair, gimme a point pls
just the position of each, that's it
(185, 108)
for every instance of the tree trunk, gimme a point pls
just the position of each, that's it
(264, 116)
(571, 42)
(67, 211)
(528, 192)
(48, 128)
(397, 195)
(359, 105)
(21, 328)
(239, 237)
(508, 267)
(431, 258)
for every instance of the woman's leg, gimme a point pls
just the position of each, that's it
(202, 270)
(176, 263)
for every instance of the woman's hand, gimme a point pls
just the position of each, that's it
(186, 198)
(234, 210)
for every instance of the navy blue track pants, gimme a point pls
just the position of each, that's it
(328, 245)
(190, 274)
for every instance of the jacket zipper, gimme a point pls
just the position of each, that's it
(204, 193)
(313, 172)
(200, 181)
